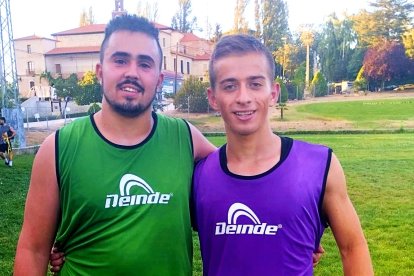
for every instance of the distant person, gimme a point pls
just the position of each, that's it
(117, 199)
(7, 134)
(262, 201)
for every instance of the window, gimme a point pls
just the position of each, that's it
(165, 63)
(182, 66)
(30, 68)
(163, 42)
(29, 49)
(58, 69)
(188, 67)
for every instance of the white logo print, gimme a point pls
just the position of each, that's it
(231, 227)
(125, 199)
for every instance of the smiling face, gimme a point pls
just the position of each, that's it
(130, 73)
(243, 92)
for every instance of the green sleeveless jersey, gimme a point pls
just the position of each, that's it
(125, 209)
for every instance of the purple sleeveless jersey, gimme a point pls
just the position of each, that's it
(268, 224)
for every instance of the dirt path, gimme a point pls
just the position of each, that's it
(36, 135)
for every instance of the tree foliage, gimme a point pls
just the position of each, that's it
(408, 41)
(389, 20)
(240, 24)
(87, 18)
(192, 96)
(181, 20)
(319, 86)
(386, 61)
(148, 10)
(89, 90)
(83, 92)
(275, 23)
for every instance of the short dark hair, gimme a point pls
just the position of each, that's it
(132, 23)
(238, 44)
(3, 119)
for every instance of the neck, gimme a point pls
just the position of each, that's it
(252, 154)
(123, 130)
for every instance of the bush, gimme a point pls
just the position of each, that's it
(192, 96)
(319, 86)
(94, 108)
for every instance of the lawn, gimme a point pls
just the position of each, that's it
(369, 114)
(380, 174)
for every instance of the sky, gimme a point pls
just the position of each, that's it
(45, 17)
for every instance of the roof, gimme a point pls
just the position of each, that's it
(205, 56)
(161, 27)
(73, 50)
(87, 29)
(190, 37)
(33, 37)
(97, 29)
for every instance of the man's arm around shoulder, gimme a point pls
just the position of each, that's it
(345, 224)
(40, 215)
(202, 147)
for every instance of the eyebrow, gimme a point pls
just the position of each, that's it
(249, 78)
(139, 57)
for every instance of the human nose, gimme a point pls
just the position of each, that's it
(132, 71)
(243, 95)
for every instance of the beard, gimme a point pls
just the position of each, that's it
(128, 109)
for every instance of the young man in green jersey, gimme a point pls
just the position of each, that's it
(116, 196)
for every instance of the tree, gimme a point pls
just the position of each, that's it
(319, 85)
(307, 39)
(360, 82)
(192, 96)
(148, 10)
(87, 18)
(240, 23)
(274, 23)
(387, 61)
(408, 40)
(329, 53)
(299, 80)
(181, 21)
(389, 20)
(218, 33)
(89, 90)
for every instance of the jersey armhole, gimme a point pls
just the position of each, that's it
(57, 157)
(191, 137)
(323, 218)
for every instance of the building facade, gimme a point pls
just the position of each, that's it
(77, 51)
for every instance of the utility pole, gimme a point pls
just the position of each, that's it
(10, 103)
(176, 69)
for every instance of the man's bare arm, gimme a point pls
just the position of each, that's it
(345, 224)
(40, 215)
(202, 147)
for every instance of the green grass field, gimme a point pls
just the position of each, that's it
(369, 114)
(380, 174)
(379, 170)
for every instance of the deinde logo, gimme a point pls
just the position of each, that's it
(125, 199)
(256, 228)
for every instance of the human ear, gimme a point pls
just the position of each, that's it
(212, 98)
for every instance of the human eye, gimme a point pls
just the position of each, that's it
(256, 85)
(120, 61)
(145, 65)
(229, 86)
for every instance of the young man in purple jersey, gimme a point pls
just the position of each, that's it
(261, 201)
